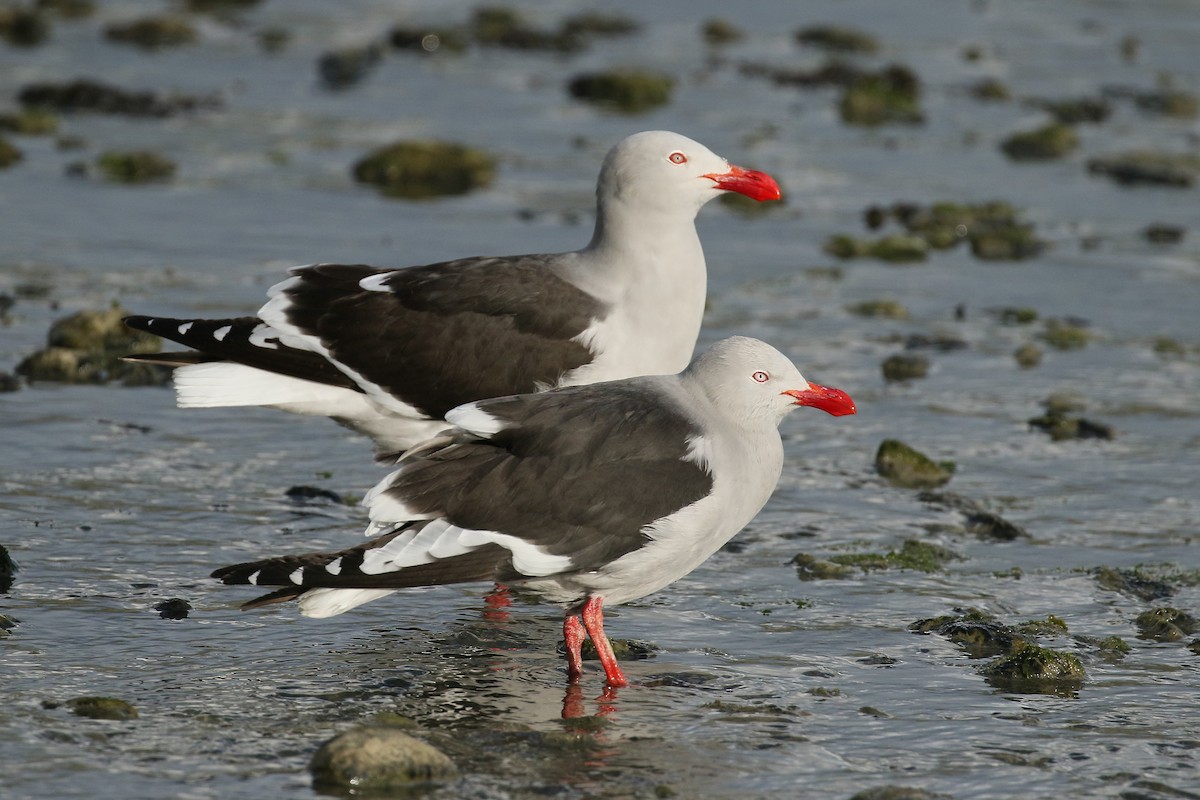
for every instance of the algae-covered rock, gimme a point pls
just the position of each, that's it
(173, 608)
(29, 122)
(7, 625)
(1132, 582)
(876, 98)
(913, 555)
(1063, 428)
(1041, 144)
(1015, 315)
(1011, 243)
(1169, 103)
(1166, 624)
(9, 154)
(1061, 422)
(904, 367)
(1167, 347)
(1076, 110)
(8, 568)
(87, 347)
(23, 27)
(982, 636)
(1065, 335)
(1113, 647)
(153, 32)
(135, 166)
(1035, 670)
(1153, 168)
(1028, 355)
(628, 91)
(419, 169)
(595, 23)
(624, 649)
(1159, 233)
(96, 97)
(811, 568)
(886, 309)
(102, 708)
(993, 229)
(990, 525)
(343, 68)
(68, 9)
(895, 248)
(982, 639)
(721, 31)
(991, 90)
(837, 38)
(1050, 626)
(377, 758)
(499, 26)
(907, 468)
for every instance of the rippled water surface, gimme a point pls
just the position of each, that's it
(112, 500)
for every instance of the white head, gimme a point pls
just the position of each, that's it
(753, 383)
(663, 170)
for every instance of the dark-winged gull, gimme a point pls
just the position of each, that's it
(587, 495)
(389, 351)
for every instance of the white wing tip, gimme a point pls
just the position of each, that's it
(470, 417)
(326, 602)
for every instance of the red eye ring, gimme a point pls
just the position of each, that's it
(761, 376)
(677, 158)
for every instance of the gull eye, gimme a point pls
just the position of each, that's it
(677, 158)
(761, 376)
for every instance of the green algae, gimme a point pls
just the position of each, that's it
(904, 367)
(87, 347)
(894, 248)
(30, 122)
(907, 468)
(885, 309)
(1132, 582)
(628, 91)
(1166, 624)
(153, 32)
(1063, 335)
(809, 568)
(135, 166)
(1035, 670)
(1028, 355)
(837, 38)
(721, 31)
(420, 169)
(876, 98)
(377, 758)
(1148, 167)
(1041, 144)
(912, 555)
(9, 153)
(102, 708)
(1050, 626)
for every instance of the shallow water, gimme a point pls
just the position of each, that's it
(113, 500)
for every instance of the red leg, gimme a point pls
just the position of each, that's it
(593, 620)
(497, 603)
(573, 638)
(498, 597)
(573, 701)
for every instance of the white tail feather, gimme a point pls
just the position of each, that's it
(327, 602)
(223, 383)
